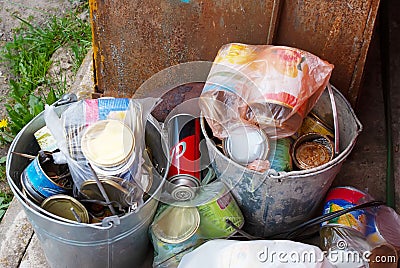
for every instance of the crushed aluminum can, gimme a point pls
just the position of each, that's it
(346, 197)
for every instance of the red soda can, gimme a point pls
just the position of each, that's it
(184, 139)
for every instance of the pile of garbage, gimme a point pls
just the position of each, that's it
(257, 108)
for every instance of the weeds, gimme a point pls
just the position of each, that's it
(28, 57)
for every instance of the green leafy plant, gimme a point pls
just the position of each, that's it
(29, 59)
(5, 200)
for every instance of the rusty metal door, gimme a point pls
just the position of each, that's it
(133, 40)
(335, 30)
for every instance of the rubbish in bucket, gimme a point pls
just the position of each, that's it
(312, 150)
(109, 146)
(174, 232)
(216, 205)
(114, 241)
(272, 202)
(312, 123)
(184, 173)
(43, 178)
(66, 207)
(245, 144)
(273, 87)
(281, 158)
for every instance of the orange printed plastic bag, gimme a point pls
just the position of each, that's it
(270, 86)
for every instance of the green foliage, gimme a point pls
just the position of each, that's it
(28, 57)
(5, 200)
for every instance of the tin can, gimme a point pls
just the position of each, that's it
(64, 205)
(312, 150)
(39, 185)
(173, 232)
(109, 146)
(184, 140)
(383, 227)
(45, 140)
(118, 190)
(312, 123)
(246, 143)
(30, 192)
(216, 209)
(281, 159)
(346, 197)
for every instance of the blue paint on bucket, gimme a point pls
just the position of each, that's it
(185, 1)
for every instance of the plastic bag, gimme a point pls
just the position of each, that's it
(83, 120)
(270, 86)
(259, 253)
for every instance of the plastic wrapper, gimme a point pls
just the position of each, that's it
(345, 246)
(270, 86)
(83, 117)
(258, 253)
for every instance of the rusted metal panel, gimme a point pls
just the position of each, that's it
(336, 30)
(133, 39)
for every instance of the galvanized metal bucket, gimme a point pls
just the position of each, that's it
(276, 201)
(118, 242)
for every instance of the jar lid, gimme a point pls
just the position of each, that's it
(61, 205)
(108, 143)
(176, 224)
(246, 143)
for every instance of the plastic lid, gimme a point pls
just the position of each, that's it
(107, 143)
(246, 143)
(176, 224)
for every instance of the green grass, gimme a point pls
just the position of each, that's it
(5, 200)
(28, 58)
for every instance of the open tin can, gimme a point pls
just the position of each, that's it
(312, 150)
(43, 178)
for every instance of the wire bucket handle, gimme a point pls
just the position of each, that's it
(335, 120)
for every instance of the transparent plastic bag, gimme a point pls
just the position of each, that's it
(270, 86)
(100, 118)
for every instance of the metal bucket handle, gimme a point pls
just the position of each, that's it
(272, 174)
(335, 120)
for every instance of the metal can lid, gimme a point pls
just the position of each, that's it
(246, 143)
(176, 224)
(108, 143)
(61, 205)
(125, 195)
